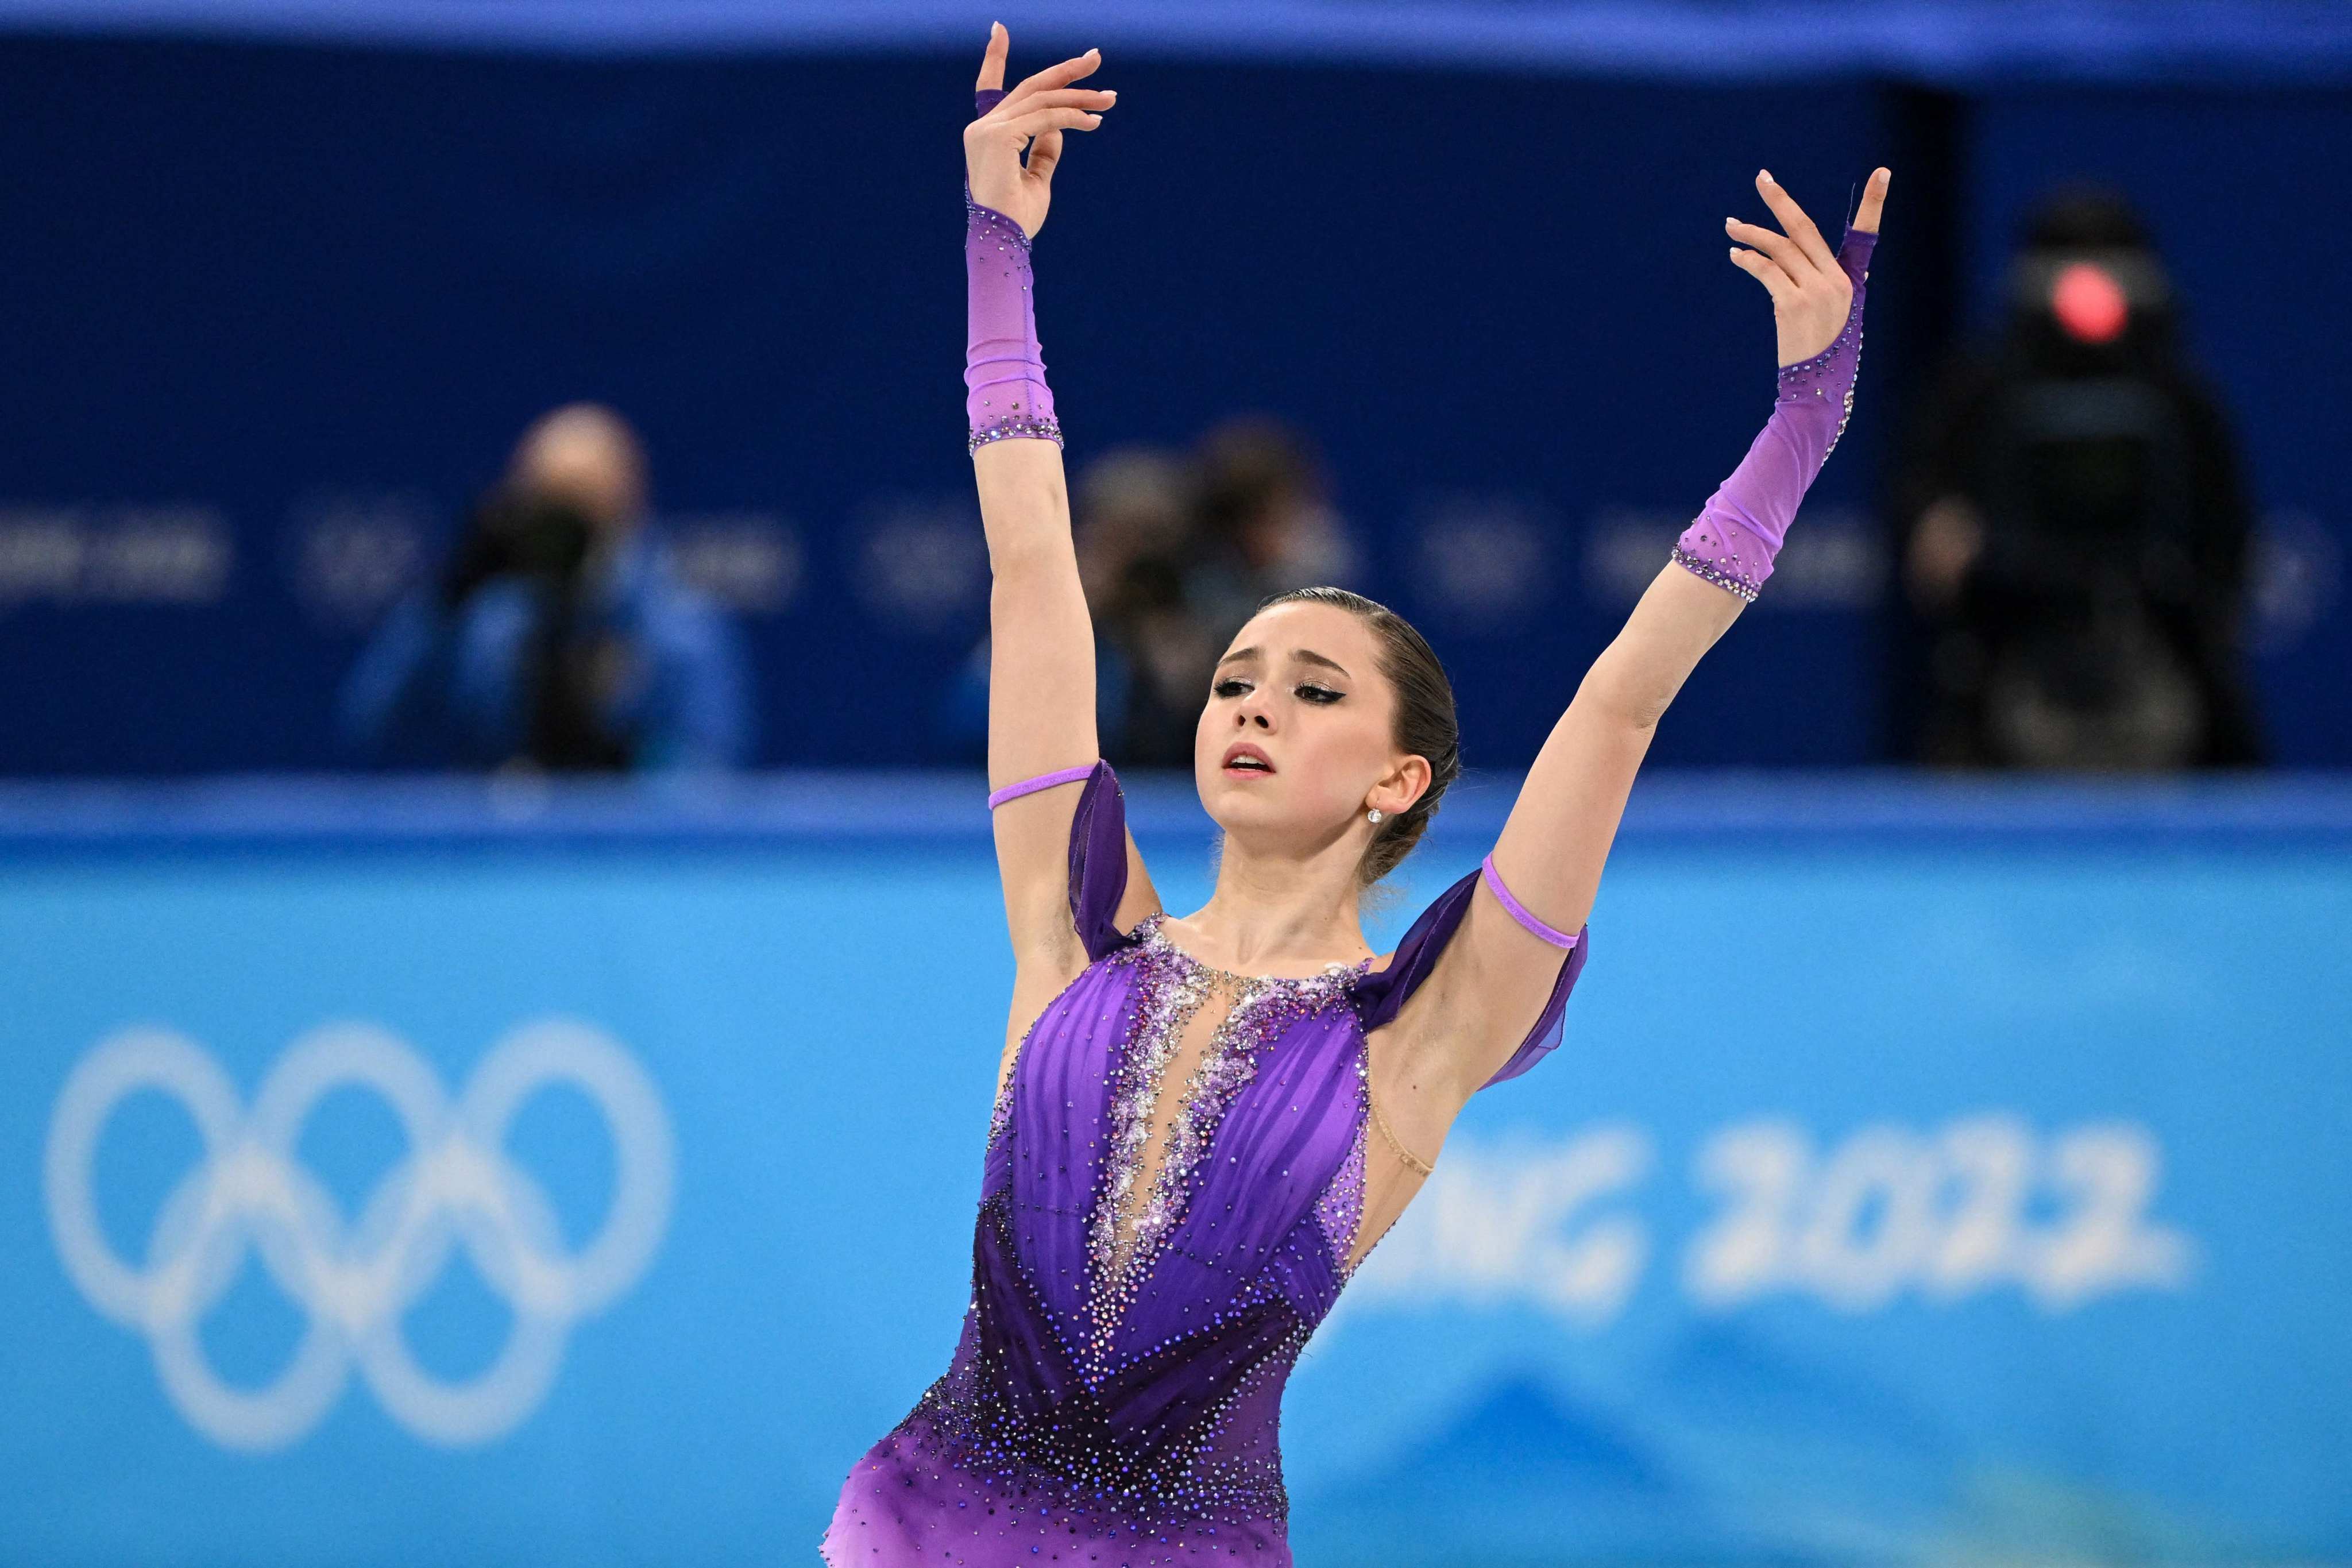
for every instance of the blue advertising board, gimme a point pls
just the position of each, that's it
(1929, 1174)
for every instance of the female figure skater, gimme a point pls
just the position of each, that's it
(1203, 1123)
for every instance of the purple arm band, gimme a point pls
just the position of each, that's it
(1519, 911)
(1006, 395)
(1739, 532)
(1042, 780)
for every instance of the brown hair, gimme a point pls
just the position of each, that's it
(1425, 722)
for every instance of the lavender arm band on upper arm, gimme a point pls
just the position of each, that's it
(1042, 780)
(1519, 911)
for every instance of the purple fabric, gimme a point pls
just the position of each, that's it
(1517, 910)
(1740, 530)
(1098, 862)
(1091, 1413)
(1041, 781)
(1006, 395)
(1384, 992)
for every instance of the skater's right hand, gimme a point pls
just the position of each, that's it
(1041, 108)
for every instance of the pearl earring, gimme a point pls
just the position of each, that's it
(1374, 814)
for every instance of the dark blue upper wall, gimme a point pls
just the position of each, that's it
(281, 288)
(1970, 43)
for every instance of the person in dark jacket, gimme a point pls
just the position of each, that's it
(557, 637)
(2074, 529)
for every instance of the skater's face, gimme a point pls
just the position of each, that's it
(1299, 738)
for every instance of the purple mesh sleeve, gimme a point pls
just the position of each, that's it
(1006, 395)
(1740, 530)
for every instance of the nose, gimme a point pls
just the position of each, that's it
(1249, 713)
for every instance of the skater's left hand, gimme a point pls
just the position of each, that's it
(1811, 287)
(1031, 117)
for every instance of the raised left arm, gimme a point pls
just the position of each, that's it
(1561, 829)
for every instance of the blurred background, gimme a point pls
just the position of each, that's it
(493, 669)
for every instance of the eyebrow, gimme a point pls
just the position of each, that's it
(1303, 654)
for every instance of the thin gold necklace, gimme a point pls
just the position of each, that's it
(1407, 1155)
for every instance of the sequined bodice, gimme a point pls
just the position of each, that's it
(1281, 1047)
(1127, 1340)
(1144, 1280)
(1157, 1146)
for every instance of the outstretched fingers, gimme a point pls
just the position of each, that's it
(1045, 115)
(1762, 268)
(1054, 76)
(1038, 122)
(1061, 98)
(991, 59)
(1792, 259)
(1794, 219)
(1874, 201)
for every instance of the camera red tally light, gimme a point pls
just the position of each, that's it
(2089, 303)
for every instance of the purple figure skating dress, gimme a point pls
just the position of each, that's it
(1115, 1395)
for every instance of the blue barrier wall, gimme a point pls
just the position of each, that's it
(277, 311)
(1932, 1174)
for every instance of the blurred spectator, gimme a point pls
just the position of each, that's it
(557, 636)
(1173, 557)
(1264, 522)
(1131, 529)
(2074, 534)
(1154, 652)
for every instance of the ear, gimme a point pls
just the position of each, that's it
(1401, 785)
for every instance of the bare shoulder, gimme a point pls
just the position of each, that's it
(1483, 992)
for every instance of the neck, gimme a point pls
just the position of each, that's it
(1279, 911)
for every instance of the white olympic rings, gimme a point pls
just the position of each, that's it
(455, 1187)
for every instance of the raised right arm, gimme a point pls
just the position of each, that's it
(1041, 681)
(1041, 698)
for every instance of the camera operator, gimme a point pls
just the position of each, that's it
(2075, 534)
(556, 637)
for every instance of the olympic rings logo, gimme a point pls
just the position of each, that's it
(454, 1188)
